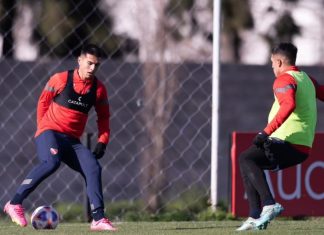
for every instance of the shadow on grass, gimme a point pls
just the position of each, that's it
(198, 228)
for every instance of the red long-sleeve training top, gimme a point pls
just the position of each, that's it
(284, 88)
(52, 116)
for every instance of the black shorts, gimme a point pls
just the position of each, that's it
(282, 154)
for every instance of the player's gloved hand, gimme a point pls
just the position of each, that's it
(260, 138)
(99, 150)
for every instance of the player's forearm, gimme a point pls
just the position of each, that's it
(42, 108)
(103, 132)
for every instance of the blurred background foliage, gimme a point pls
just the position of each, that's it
(63, 25)
(80, 22)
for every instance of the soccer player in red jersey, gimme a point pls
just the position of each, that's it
(62, 113)
(286, 140)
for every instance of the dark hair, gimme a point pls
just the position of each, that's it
(92, 50)
(286, 49)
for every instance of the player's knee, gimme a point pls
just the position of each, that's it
(52, 164)
(98, 168)
(243, 158)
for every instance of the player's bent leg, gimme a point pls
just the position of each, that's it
(102, 225)
(16, 213)
(87, 165)
(91, 169)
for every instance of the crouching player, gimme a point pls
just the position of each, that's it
(62, 113)
(287, 139)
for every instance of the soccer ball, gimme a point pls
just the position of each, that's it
(44, 217)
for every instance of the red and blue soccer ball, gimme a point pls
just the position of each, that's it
(44, 217)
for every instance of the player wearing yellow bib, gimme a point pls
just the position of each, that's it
(286, 140)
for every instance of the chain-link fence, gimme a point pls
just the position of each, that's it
(160, 112)
(157, 70)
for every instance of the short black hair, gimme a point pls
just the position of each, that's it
(286, 49)
(92, 50)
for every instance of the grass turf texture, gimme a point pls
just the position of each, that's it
(309, 226)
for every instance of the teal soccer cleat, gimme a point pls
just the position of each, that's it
(253, 224)
(270, 212)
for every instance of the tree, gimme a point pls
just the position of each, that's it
(66, 25)
(158, 92)
(236, 16)
(8, 12)
(284, 29)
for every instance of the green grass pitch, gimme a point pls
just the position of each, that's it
(310, 226)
